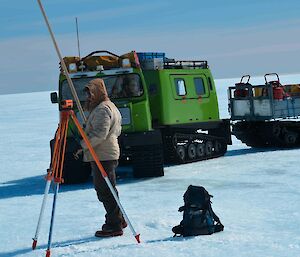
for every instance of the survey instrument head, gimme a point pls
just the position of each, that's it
(66, 104)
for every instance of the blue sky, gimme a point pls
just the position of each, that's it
(236, 37)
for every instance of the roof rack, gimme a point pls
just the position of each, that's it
(172, 64)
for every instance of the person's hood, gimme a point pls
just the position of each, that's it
(98, 92)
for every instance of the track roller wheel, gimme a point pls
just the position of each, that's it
(208, 148)
(200, 150)
(180, 149)
(191, 151)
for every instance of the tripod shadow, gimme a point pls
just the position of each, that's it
(85, 241)
(44, 246)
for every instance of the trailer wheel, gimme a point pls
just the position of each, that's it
(290, 138)
(276, 129)
(180, 149)
(191, 151)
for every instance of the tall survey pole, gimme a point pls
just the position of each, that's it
(63, 65)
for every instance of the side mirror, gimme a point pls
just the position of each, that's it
(54, 98)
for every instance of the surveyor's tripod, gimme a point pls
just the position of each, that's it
(56, 169)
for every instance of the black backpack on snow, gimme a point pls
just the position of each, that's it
(198, 216)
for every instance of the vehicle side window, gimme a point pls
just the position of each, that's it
(199, 86)
(180, 87)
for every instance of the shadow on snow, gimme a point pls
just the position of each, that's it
(36, 185)
(84, 241)
(245, 151)
(54, 245)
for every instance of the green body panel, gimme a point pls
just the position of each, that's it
(168, 108)
(140, 116)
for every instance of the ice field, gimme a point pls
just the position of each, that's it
(256, 195)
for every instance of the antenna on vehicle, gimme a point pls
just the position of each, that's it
(78, 43)
(81, 66)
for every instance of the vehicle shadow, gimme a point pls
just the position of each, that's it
(36, 185)
(245, 151)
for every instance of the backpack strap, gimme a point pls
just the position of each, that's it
(177, 230)
(219, 226)
(182, 208)
(216, 218)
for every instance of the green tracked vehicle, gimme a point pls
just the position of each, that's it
(169, 108)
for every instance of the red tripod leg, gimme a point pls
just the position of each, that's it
(58, 173)
(49, 178)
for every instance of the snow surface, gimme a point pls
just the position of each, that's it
(256, 195)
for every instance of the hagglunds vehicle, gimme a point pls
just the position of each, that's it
(169, 108)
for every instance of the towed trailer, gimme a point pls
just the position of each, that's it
(265, 115)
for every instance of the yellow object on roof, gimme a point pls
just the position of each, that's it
(99, 62)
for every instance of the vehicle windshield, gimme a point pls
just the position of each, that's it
(117, 86)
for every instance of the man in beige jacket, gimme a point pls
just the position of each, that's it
(103, 127)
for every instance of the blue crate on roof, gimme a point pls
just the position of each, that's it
(150, 55)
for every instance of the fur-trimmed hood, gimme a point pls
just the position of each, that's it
(98, 93)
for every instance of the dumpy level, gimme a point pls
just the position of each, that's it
(55, 172)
